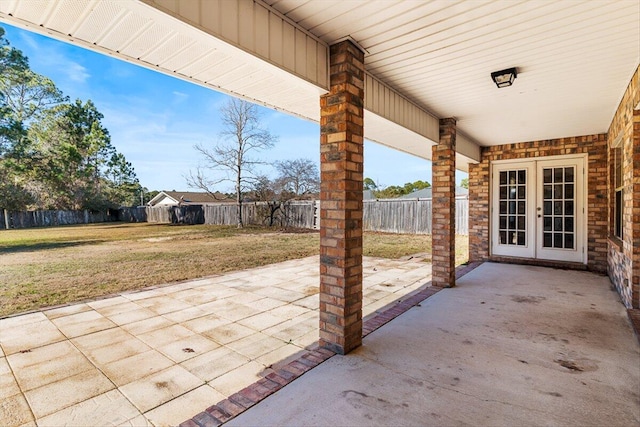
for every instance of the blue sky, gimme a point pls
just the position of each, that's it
(155, 120)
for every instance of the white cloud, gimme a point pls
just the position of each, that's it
(49, 55)
(28, 39)
(76, 72)
(180, 96)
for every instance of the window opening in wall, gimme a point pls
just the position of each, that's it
(618, 189)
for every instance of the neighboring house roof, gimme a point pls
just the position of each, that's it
(187, 198)
(425, 193)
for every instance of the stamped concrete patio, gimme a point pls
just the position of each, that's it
(510, 345)
(160, 356)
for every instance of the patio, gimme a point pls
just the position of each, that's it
(534, 345)
(527, 345)
(161, 355)
(510, 345)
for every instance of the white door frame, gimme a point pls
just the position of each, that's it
(508, 199)
(532, 245)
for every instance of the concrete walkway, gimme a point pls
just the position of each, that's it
(162, 355)
(510, 345)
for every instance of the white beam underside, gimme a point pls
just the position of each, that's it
(257, 30)
(467, 148)
(383, 101)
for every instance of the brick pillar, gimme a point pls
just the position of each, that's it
(341, 173)
(443, 209)
(635, 218)
(478, 211)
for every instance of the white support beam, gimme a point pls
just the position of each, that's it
(257, 29)
(466, 147)
(385, 102)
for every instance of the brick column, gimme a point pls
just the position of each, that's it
(635, 217)
(478, 211)
(443, 209)
(341, 173)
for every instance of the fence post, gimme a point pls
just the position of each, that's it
(6, 219)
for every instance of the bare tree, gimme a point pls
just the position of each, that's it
(269, 192)
(299, 176)
(242, 136)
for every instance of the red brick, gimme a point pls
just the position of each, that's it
(203, 419)
(241, 398)
(230, 407)
(279, 379)
(269, 384)
(218, 413)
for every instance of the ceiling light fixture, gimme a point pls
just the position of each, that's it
(504, 78)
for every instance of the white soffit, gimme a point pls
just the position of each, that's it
(244, 48)
(139, 33)
(574, 57)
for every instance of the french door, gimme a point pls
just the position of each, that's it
(538, 209)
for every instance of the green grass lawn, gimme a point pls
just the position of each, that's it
(41, 267)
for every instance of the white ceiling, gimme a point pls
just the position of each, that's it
(574, 58)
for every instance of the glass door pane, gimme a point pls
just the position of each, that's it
(559, 207)
(512, 207)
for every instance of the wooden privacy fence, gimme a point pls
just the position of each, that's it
(300, 214)
(389, 215)
(28, 219)
(410, 216)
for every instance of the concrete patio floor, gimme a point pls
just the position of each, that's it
(509, 345)
(160, 356)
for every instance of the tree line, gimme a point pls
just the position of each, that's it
(393, 191)
(55, 153)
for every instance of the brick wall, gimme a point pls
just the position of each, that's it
(624, 257)
(479, 176)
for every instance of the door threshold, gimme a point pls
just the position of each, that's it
(566, 265)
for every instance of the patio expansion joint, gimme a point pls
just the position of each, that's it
(238, 402)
